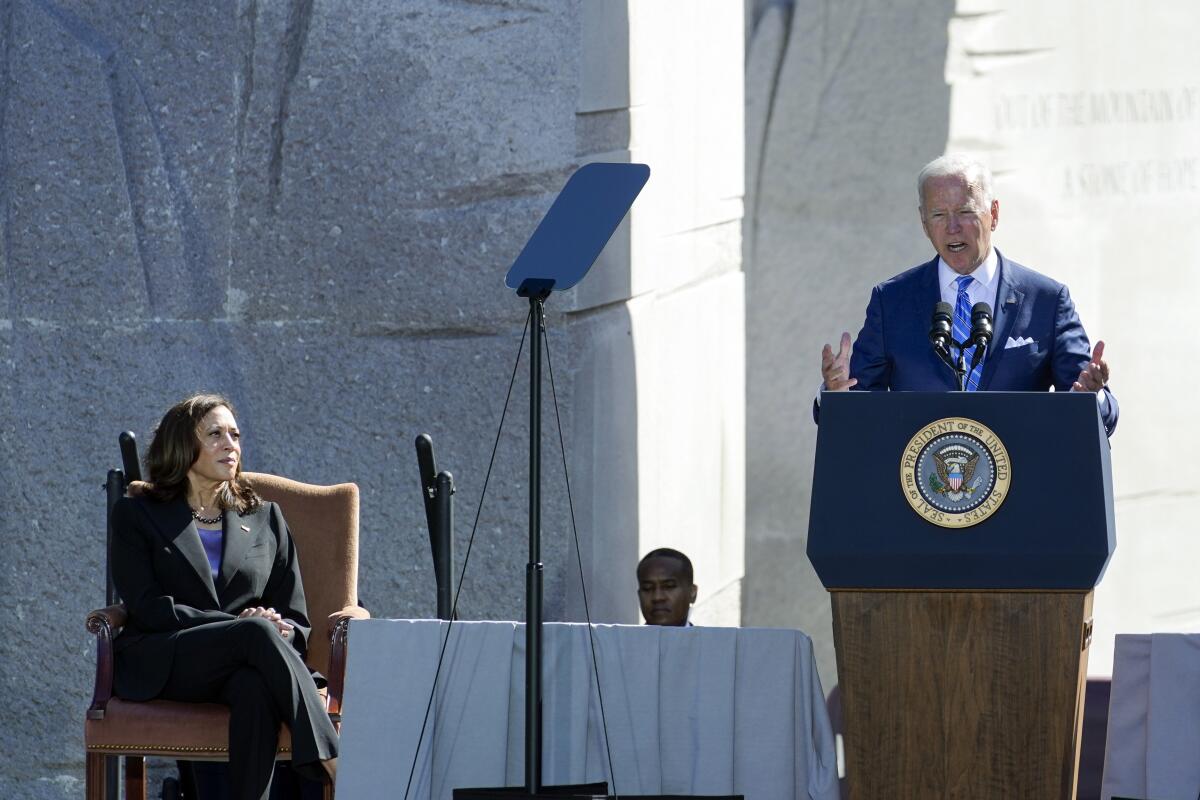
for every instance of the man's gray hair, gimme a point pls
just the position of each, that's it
(976, 175)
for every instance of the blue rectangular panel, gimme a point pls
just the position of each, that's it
(1054, 529)
(578, 225)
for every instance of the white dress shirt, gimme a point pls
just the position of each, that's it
(981, 290)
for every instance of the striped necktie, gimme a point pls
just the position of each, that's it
(962, 330)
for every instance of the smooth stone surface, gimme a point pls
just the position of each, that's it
(859, 104)
(660, 409)
(1092, 132)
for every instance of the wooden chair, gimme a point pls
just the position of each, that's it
(324, 524)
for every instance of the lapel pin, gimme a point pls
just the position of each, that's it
(243, 527)
(1011, 301)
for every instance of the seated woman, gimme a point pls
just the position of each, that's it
(211, 581)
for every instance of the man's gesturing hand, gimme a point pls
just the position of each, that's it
(835, 370)
(1093, 376)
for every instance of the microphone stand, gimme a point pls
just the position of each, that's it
(979, 355)
(961, 370)
(980, 334)
(960, 366)
(943, 352)
(437, 490)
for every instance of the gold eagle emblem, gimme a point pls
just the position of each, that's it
(955, 467)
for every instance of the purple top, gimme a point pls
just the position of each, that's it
(212, 538)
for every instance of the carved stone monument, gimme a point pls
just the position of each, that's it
(1089, 115)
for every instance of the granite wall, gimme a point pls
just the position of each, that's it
(310, 206)
(307, 206)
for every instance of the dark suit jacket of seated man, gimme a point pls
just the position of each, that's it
(1038, 342)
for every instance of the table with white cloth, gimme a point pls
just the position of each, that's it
(689, 710)
(1153, 748)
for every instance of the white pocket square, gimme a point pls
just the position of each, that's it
(1020, 341)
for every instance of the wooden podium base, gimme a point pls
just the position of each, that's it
(965, 694)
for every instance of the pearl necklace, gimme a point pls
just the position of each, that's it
(208, 520)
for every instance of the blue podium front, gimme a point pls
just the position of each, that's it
(875, 524)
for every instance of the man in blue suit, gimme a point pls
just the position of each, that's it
(1038, 340)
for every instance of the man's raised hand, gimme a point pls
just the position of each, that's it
(835, 369)
(1095, 374)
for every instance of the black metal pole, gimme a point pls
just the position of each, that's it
(961, 369)
(444, 544)
(533, 571)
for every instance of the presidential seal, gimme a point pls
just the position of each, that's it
(955, 472)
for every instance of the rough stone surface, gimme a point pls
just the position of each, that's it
(309, 207)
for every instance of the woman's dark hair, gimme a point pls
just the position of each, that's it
(175, 447)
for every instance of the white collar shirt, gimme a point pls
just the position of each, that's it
(981, 290)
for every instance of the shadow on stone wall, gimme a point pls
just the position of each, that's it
(603, 466)
(845, 102)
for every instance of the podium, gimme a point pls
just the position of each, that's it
(960, 536)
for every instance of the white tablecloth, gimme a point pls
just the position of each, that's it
(690, 710)
(1153, 748)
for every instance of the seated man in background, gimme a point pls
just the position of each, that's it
(665, 588)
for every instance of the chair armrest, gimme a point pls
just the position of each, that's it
(104, 624)
(349, 612)
(337, 655)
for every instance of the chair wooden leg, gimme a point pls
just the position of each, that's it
(135, 778)
(94, 780)
(327, 794)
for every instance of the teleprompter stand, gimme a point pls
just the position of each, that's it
(559, 254)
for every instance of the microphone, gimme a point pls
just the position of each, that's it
(981, 325)
(981, 331)
(941, 328)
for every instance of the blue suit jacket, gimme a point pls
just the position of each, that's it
(893, 351)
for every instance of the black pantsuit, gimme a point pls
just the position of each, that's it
(184, 640)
